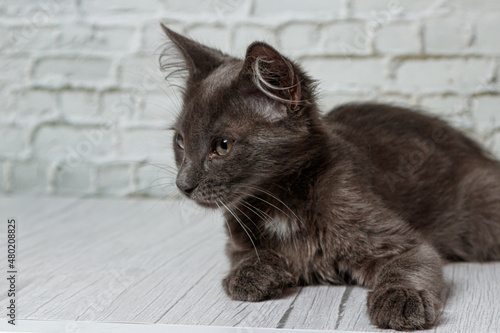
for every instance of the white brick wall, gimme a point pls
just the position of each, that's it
(85, 109)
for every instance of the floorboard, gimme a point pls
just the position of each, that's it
(92, 262)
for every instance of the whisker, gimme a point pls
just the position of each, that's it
(275, 197)
(164, 167)
(242, 212)
(252, 207)
(244, 229)
(267, 202)
(227, 224)
(160, 200)
(269, 217)
(239, 220)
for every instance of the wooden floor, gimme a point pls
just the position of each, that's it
(85, 262)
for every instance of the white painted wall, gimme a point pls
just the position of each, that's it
(85, 108)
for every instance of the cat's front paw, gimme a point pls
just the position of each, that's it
(402, 308)
(253, 283)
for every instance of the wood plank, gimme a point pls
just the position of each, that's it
(207, 304)
(167, 280)
(474, 301)
(355, 316)
(85, 269)
(28, 207)
(107, 258)
(472, 306)
(316, 307)
(139, 261)
(64, 259)
(51, 326)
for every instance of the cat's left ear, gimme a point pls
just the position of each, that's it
(200, 60)
(273, 74)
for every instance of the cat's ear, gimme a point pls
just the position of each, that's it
(273, 74)
(199, 59)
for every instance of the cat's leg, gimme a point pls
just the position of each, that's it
(259, 278)
(407, 289)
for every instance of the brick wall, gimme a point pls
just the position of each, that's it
(85, 108)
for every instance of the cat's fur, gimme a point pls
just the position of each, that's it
(371, 194)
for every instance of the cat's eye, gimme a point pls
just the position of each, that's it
(179, 140)
(223, 146)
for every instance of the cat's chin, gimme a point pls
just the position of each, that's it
(215, 204)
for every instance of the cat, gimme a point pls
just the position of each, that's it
(370, 194)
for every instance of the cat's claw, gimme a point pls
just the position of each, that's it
(252, 283)
(402, 308)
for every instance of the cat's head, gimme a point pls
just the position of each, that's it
(244, 122)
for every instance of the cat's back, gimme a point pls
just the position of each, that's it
(393, 130)
(434, 176)
(414, 161)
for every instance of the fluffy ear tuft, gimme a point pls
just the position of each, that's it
(273, 74)
(199, 60)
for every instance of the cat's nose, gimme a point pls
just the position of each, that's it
(187, 189)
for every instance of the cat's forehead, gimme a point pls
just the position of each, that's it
(209, 104)
(221, 78)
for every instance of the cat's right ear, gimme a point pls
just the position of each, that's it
(273, 75)
(199, 59)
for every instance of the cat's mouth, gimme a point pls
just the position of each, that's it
(214, 199)
(210, 194)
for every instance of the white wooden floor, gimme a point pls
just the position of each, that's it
(92, 264)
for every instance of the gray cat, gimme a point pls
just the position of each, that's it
(370, 194)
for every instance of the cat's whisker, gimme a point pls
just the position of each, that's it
(162, 199)
(267, 202)
(239, 220)
(165, 185)
(265, 220)
(275, 197)
(242, 212)
(173, 92)
(172, 180)
(170, 193)
(169, 174)
(170, 177)
(244, 228)
(257, 211)
(160, 105)
(152, 185)
(164, 167)
(177, 105)
(227, 224)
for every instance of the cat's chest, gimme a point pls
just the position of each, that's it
(314, 254)
(281, 229)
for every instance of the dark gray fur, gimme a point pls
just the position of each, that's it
(371, 194)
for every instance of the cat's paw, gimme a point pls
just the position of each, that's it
(402, 308)
(253, 283)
